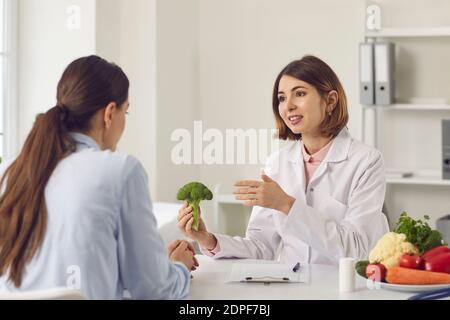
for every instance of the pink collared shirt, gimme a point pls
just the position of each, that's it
(312, 162)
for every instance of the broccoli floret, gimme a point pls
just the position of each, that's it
(193, 193)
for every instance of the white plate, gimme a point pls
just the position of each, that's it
(409, 288)
(412, 288)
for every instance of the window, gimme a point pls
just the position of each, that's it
(8, 127)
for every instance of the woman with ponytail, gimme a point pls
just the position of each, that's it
(74, 212)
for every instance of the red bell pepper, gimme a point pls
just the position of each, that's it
(438, 263)
(435, 252)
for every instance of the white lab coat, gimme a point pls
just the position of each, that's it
(340, 215)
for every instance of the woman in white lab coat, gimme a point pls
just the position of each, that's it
(73, 212)
(320, 198)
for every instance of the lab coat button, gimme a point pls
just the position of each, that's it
(311, 189)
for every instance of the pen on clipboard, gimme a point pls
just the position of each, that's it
(296, 267)
(265, 278)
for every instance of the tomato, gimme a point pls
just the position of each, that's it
(411, 261)
(435, 252)
(439, 263)
(376, 272)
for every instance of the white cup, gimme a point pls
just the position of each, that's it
(347, 274)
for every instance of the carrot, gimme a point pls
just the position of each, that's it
(399, 275)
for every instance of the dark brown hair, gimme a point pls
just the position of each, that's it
(318, 74)
(87, 85)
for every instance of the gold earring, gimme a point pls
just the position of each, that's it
(329, 113)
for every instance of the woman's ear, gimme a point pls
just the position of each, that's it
(109, 114)
(332, 100)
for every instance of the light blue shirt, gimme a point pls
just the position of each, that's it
(101, 232)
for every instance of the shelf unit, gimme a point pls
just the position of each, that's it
(410, 32)
(228, 199)
(423, 177)
(421, 181)
(221, 198)
(412, 107)
(431, 178)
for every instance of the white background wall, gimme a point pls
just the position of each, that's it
(177, 88)
(243, 47)
(126, 34)
(114, 29)
(216, 61)
(46, 47)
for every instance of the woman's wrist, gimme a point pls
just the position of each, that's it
(210, 242)
(287, 205)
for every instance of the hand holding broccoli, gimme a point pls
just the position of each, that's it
(185, 220)
(193, 193)
(190, 214)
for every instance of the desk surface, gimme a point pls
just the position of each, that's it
(209, 283)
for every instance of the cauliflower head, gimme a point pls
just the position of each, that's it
(390, 248)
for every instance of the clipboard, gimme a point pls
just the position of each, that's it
(268, 273)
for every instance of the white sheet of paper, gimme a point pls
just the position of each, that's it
(272, 272)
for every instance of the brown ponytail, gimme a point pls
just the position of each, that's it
(86, 86)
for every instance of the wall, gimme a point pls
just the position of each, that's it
(126, 34)
(216, 61)
(46, 46)
(156, 44)
(245, 44)
(114, 29)
(177, 89)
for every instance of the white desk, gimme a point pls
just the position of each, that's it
(209, 283)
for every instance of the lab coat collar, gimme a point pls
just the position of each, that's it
(82, 139)
(338, 151)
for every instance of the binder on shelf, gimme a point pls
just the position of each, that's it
(384, 73)
(366, 75)
(445, 149)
